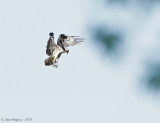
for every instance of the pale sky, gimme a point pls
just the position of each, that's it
(85, 88)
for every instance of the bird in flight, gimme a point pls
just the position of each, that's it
(54, 50)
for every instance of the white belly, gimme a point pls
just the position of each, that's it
(58, 50)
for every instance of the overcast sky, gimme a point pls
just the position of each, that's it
(84, 88)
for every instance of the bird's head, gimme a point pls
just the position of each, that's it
(51, 34)
(63, 36)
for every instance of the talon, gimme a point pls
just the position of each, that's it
(67, 51)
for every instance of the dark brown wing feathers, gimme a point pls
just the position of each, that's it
(49, 43)
(65, 41)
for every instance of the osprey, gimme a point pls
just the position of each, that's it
(54, 50)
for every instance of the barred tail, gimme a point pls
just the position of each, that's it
(49, 61)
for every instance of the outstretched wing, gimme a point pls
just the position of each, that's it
(69, 40)
(50, 46)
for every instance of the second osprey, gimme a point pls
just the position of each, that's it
(55, 50)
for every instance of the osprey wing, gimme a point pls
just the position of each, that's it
(67, 41)
(50, 46)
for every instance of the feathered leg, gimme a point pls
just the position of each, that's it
(55, 62)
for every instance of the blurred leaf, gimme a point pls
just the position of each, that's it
(145, 3)
(140, 1)
(108, 39)
(118, 1)
(155, 81)
(153, 77)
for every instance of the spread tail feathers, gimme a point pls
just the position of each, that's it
(49, 61)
